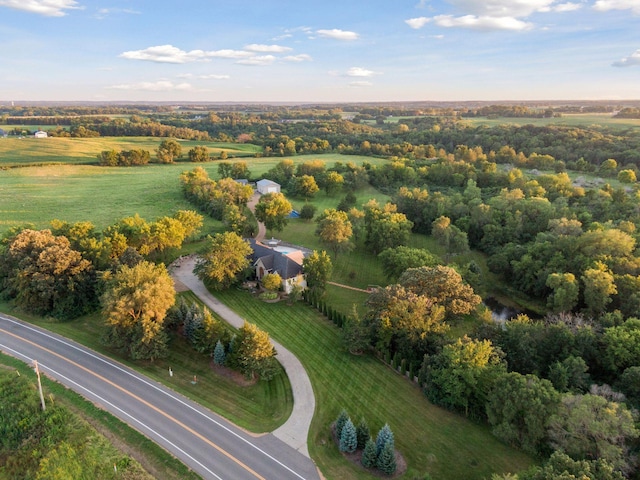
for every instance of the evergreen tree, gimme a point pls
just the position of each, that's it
(340, 421)
(348, 437)
(218, 354)
(385, 436)
(386, 462)
(369, 459)
(363, 434)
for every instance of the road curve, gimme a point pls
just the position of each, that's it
(202, 440)
(295, 430)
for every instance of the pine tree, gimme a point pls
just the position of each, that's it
(385, 437)
(387, 460)
(363, 434)
(340, 421)
(218, 354)
(348, 437)
(369, 459)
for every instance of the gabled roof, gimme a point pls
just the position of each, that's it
(275, 261)
(266, 182)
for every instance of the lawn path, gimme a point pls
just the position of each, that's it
(295, 431)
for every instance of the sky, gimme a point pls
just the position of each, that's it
(319, 51)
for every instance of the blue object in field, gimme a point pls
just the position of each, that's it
(294, 214)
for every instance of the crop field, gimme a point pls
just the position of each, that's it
(16, 151)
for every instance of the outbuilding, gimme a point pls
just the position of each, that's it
(40, 134)
(265, 186)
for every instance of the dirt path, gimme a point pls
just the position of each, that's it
(348, 287)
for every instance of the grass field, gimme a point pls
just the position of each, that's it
(30, 150)
(571, 120)
(261, 407)
(433, 440)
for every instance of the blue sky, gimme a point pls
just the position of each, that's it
(319, 51)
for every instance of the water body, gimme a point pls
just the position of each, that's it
(503, 313)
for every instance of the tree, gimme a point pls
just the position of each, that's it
(333, 182)
(589, 427)
(304, 186)
(627, 176)
(199, 153)
(348, 437)
(395, 313)
(307, 211)
(569, 375)
(369, 457)
(562, 467)
(385, 227)
(272, 281)
(355, 334)
(363, 433)
(255, 353)
(168, 151)
(385, 437)
(343, 416)
(396, 260)
(317, 268)
(444, 286)
(461, 375)
(334, 230)
(135, 303)
(224, 258)
(386, 462)
(565, 291)
(219, 355)
(518, 409)
(598, 287)
(273, 210)
(622, 346)
(46, 276)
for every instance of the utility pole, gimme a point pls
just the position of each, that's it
(35, 362)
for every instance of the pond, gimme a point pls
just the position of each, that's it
(502, 313)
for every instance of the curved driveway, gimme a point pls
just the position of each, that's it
(211, 446)
(296, 429)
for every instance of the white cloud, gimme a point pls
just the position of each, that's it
(214, 76)
(338, 34)
(501, 8)
(418, 22)
(606, 5)
(361, 83)
(303, 57)
(259, 60)
(171, 54)
(482, 23)
(48, 8)
(632, 60)
(567, 7)
(159, 86)
(267, 48)
(103, 13)
(360, 72)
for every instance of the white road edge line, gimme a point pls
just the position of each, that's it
(116, 366)
(42, 366)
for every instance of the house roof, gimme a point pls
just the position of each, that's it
(266, 182)
(275, 261)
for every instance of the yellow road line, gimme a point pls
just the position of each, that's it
(144, 402)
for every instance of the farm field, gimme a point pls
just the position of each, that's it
(571, 120)
(29, 150)
(103, 195)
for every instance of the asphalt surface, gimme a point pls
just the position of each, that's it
(204, 441)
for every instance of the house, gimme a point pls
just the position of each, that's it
(286, 262)
(265, 186)
(40, 134)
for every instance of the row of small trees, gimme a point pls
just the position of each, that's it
(377, 454)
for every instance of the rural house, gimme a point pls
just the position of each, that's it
(265, 186)
(285, 261)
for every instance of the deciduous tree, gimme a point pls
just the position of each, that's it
(168, 151)
(334, 230)
(224, 258)
(273, 210)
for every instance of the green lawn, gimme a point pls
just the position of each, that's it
(571, 120)
(261, 407)
(433, 440)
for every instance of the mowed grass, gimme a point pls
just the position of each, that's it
(30, 150)
(260, 407)
(432, 440)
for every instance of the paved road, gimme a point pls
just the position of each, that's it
(295, 430)
(205, 442)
